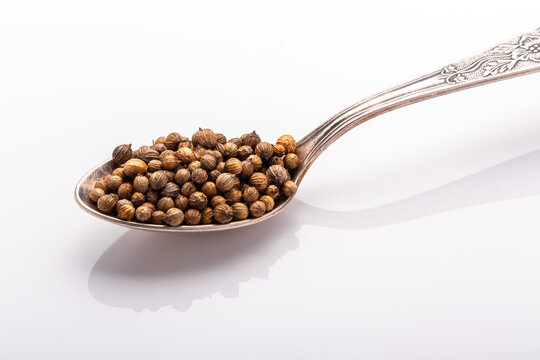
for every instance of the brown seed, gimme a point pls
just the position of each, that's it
(150, 206)
(166, 153)
(223, 213)
(160, 140)
(221, 167)
(256, 161)
(113, 182)
(159, 147)
(208, 161)
(134, 167)
(198, 200)
(185, 155)
(268, 201)
(264, 150)
(247, 169)
(288, 142)
(244, 151)
(279, 150)
(209, 189)
(107, 203)
(186, 144)
(276, 160)
(259, 181)
(233, 195)
(154, 165)
(199, 176)
(217, 200)
(277, 174)
(273, 191)
(143, 213)
(192, 217)
(138, 199)
(95, 194)
(233, 166)
(146, 154)
(171, 190)
(207, 216)
(225, 182)
(240, 211)
(230, 149)
(251, 139)
(289, 188)
(121, 154)
(172, 140)
(101, 184)
(188, 189)
(152, 196)
(174, 217)
(221, 139)
(237, 141)
(126, 212)
(206, 138)
(250, 194)
(182, 176)
(170, 162)
(158, 180)
(119, 172)
(181, 202)
(257, 209)
(141, 183)
(125, 191)
(165, 203)
(122, 202)
(158, 217)
(194, 165)
(213, 175)
(291, 161)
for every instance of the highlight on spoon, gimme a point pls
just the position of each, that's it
(203, 182)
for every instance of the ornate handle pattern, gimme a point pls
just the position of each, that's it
(517, 57)
(500, 59)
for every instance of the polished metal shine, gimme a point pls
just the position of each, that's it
(520, 56)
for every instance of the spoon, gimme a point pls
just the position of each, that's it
(520, 56)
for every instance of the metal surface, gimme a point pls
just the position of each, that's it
(520, 56)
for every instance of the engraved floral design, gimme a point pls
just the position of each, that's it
(500, 59)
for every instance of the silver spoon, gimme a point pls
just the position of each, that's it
(520, 56)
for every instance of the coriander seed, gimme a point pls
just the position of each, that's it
(113, 182)
(138, 198)
(158, 217)
(188, 189)
(125, 191)
(182, 176)
(251, 139)
(134, 167)
(257, 209)
(217, 200)
(126, 212)
(233, 195)
(277, 174)
(121, 154)
(233, 166)
(268, 202)
(152, 196)
(181, 202)
(291, 161)
(172, 140)
(199, 176)
(192, 217)
(223, 213)
(288, 142)
(208, 161)
(165, 203)
(154, 165)
(209, 189)
(264, 150)
(244, 151)
(256, 161)
(107, 203)
(230, 149)
(158, 180)
(225, 182)
(141, 183)
(174, 217)
(273, 191)
(289, 188)
(95, 194)
(240, 211)
(198, 200)
(170, 162)
(259, 181)
(171, 190)
(207, 215)
(250, 194)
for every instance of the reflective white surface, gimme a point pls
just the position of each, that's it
(416, 236)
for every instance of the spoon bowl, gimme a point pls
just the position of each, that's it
(519, 56)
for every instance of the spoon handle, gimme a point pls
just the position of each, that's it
(520, 56)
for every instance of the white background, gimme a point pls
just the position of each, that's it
(415, 236)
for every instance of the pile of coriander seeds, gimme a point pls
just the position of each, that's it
(205, 180)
